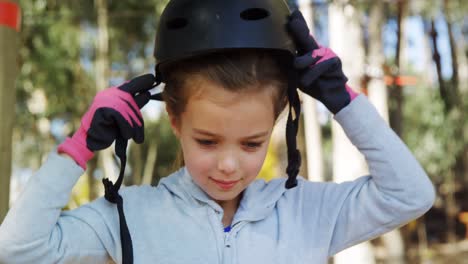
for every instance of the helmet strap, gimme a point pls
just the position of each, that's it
(111, 191)
(292, 127)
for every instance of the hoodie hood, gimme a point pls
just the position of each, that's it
(258, 200)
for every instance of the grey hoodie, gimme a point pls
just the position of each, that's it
(176, 222)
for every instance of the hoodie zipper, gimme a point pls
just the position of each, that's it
(229, 249)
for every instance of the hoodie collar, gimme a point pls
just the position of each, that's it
(258, 200)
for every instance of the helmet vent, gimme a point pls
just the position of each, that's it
(176, 23)
(254, 14)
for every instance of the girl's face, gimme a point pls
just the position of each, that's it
(224, 137)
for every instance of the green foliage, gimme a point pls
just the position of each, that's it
(433, 135)
(57, 53)
(50, 53)
(159, 133)
(132, 28)
(50, 66)
(167, 147)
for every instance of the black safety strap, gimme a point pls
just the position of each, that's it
(292, 127)
(111, 191)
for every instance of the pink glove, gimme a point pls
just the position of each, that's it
(115, 112)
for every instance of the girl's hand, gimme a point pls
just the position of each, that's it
(320, 72)
(115, 112)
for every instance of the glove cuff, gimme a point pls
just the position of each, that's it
(352, 94)
(78, 152)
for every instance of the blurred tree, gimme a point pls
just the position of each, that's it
(376, 87)
(167, 147)
(453, 107)
(446, 108)
(434, 140)
(51, 84)
(345, 34)
(455, 13)
(312, 131)
(133, 27)
(396, 94)
(55, 85)
(377, 93)
(105, 157)
(157, 156)
(8, 73)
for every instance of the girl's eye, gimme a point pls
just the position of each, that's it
(205, 142)
(211, 143)
(253, 145)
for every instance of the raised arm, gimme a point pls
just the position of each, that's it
(35, 229)
(397, 190)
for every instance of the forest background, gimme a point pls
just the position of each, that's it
(408, 56)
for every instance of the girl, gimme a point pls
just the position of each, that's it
(230, 68)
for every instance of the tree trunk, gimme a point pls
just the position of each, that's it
(462, 65)
(423, 246)
(458, 90)
(458, 169)
(377, 92)
(136, 157)
(462, 161)
(449, 180)
(348, 164)
(436, 57)
(105, 157)
(313, 134)
(453, 54)
(8, 73)
(93, 183)
(150, 164)
(428, 77)
(396, 115)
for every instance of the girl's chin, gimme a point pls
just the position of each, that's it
(223, 196)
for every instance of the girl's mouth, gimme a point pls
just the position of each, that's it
(225, 185)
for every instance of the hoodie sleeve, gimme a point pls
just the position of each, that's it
(36, 230)
(396, 191)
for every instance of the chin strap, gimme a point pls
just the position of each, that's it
(111, 192)
(292, 127)
(112, 195)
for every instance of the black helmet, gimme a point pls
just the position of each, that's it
(193, 27)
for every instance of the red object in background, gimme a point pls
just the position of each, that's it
(400, 80)
(10, 15)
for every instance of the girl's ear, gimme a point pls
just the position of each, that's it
(174, 123)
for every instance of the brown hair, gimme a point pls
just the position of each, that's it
(236, 70)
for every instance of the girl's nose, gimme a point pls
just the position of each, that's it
(227, 163)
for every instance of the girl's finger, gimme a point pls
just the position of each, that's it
(300, 33)
(142, 99)
(305, 61)
(139, 84)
